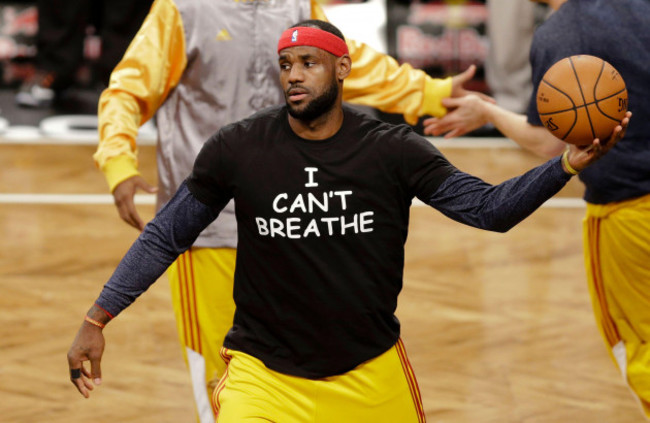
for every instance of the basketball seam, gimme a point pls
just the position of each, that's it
(574, 108)
(593, 103)
(596, 100)
(605, 98)
(584, 101)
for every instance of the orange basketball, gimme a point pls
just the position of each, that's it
(581, 98)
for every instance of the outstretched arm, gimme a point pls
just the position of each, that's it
(170, 233)
(472, 201)
(468, 199)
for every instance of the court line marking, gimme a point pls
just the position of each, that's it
(80, 199)
(90, 138)
(74, 139)
(150, 199)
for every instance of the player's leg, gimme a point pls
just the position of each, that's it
(381, 390)
(201, 282)
(617, 252)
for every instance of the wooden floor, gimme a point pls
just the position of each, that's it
(498, 327)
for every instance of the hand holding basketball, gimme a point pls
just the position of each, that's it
(580, 156)
(581, 98)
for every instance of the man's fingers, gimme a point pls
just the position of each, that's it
(468, 74)
(124, 195)
(486, 97)
(429, 121)
(134, 220)
(434, 129)
(79, 378)
(455, 133)
(96, 371)
(81, 387)
(143, 185)
(129, 214)
(451, 102)
(85, 372)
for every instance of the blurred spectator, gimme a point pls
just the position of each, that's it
(510, 28)
(62, 26)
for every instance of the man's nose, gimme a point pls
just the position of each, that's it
(296, 74)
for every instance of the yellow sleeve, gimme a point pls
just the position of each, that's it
(377, 80)
(151, 67)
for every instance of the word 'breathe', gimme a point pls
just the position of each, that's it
(287, 225)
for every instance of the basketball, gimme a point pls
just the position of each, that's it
(581, 98)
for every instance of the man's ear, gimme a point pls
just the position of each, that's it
(343, 67)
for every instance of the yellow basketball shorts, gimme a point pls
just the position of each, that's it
(381, 390)
(201, 283)
(617, 257)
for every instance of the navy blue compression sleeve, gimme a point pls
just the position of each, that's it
(469, 200)
(173, 230)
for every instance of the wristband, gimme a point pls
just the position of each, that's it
(567, 166)
(94, 322)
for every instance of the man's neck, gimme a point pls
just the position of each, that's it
(321, 128)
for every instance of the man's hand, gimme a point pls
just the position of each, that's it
(579, 157)
(88, 345)
(124, 194)
(462, 107)
(465, 115)
(458, 82)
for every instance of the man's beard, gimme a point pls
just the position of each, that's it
(318, 106)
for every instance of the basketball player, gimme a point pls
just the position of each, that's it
(198, 65)
(617, 222)
(322, 195)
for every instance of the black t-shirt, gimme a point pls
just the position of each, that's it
(322, 226)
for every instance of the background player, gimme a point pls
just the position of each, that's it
(617, 225)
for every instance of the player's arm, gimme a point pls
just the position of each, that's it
(469, 200)
(471, 112)
(150, 69)
(377, 80)
(169, 234)
(196, 204)
(472, 201)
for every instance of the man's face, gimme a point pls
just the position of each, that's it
(308, 77)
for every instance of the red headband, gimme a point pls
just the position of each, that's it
(312, 37)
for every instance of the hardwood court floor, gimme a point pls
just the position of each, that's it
(498, 327)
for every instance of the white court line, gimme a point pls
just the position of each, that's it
(70, 199)
(90, 138)
(39, 139)
(474, 142)
(65, 130)
(558, 203)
